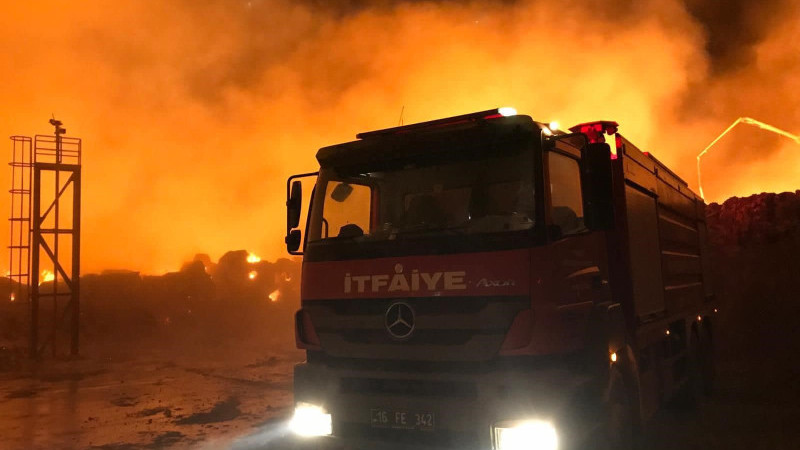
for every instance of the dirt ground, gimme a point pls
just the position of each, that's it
(158, 401)
(738, 416)
(238, 397)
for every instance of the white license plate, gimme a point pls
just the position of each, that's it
(408, 420)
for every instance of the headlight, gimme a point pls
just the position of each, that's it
(310, 420)
(525, 435)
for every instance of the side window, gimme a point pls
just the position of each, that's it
(347, 210)
(565, 193)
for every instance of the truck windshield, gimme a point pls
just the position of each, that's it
(491, 193)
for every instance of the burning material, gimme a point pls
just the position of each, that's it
(252, 275)
(13, 297)
(47, 276)
(275, 295)
(252, 258)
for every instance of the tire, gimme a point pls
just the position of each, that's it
(700, 372)
(690, 395)
(620, 410)
(706, 366)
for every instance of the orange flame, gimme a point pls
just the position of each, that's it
(252, 258)
(275, 295)
(47, 276)
(252, 275)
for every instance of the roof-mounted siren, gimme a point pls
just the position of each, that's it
(596, 131)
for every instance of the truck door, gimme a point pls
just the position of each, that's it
(578, 277)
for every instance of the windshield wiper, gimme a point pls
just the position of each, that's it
(420, 230)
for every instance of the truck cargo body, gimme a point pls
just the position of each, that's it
(462, 278)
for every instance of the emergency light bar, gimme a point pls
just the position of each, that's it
(465, 118)
(594, 131)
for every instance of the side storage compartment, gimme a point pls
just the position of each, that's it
(645, 252)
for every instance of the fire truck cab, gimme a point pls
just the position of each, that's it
(487, 281)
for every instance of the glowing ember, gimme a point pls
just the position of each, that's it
(14, 297)
(275, 295)
(252, 258)
(252, 275)
(47, 276)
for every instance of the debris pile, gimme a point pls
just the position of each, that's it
(741, 223)
(238, 297)
(755, 247)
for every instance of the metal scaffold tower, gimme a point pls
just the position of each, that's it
(51, 246)
(20, 219)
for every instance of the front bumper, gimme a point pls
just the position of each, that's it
(465, 404)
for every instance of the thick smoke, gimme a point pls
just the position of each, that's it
(735, 28)
(194, 113)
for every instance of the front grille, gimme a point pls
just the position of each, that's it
(448, 328)
(437, 438)
(421, 337)
(409, 388)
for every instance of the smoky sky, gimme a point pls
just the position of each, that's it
(733, 27)
(194, 113)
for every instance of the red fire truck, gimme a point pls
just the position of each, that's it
(487, 281)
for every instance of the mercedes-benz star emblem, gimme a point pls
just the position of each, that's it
(400, 320)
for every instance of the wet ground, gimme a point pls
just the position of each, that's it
(241, 399)
(154, 403)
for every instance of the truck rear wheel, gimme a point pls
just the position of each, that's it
(700, 371)
(705, 352)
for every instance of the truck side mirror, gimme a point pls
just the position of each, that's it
(294, 205)
(598, 197)
(293, 240)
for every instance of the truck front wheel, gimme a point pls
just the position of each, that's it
(619, 426)
(620, 417)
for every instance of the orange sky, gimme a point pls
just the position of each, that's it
(193, 116)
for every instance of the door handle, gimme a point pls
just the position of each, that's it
(598, 282)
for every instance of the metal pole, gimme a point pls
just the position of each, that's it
(29, 221)
(36, 237)
(76, 260)
(11, 248)
(56, 259)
